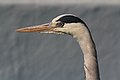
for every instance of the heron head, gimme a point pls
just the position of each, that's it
(63, 24)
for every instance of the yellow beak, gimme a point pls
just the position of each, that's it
(38, 28)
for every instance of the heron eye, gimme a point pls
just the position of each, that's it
(60, 24)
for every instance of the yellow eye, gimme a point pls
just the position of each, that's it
(59, 24)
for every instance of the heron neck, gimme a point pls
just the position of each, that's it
(90, 56)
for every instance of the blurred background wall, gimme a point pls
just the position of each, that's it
(35, 56)
(53, 2)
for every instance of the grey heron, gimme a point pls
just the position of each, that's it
(74, 26)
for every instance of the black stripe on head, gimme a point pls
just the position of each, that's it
(70, 19)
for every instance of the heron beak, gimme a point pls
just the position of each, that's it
(39, 28)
